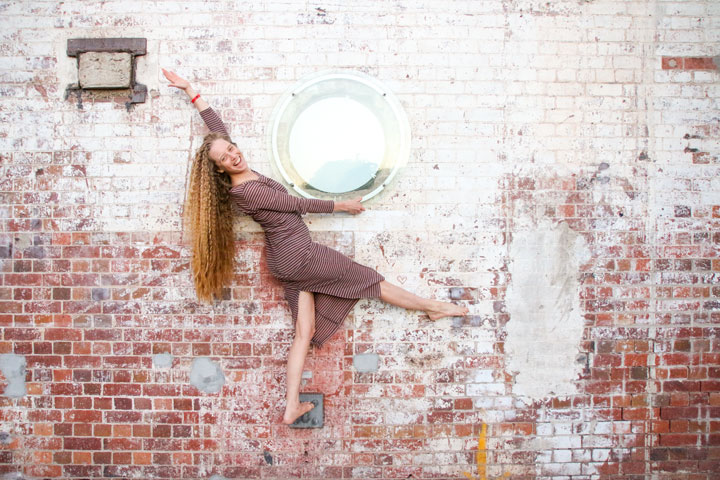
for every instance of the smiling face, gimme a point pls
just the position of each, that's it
(227, 157)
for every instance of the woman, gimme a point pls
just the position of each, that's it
(321, 285)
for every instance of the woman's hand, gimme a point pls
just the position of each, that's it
(176, 80)
(352, 207)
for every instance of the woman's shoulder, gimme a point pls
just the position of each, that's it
(241, 186)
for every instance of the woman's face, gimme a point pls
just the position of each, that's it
(227, 157)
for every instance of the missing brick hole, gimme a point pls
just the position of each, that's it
(425, 360)
(584, 360)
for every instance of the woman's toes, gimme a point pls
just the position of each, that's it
(293, 412)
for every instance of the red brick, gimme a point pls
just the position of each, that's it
(21, 334)
(121, 389)
(160, 252)
(74, 443)
(635, 360)
(463, 404)
(671, 413)
(680, 386)
(123, 417)
(122, 444)
(62, 334)
(672, 63)
(699, 63)
(710, 386)
(673, 440)
(23, 279)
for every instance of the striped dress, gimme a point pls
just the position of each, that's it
(293, 258)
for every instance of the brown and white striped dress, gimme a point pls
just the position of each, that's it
(293, 258)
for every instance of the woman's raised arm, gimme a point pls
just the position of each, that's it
(211, 119)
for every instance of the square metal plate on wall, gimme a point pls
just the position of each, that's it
(315, 417)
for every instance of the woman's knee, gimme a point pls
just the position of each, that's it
(304, 330)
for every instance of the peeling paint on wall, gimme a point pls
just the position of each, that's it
(546, 324)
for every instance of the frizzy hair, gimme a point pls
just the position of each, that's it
(208, 222)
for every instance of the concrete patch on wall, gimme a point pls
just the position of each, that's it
(162, 360)
(206, 375)
(13, 368)
(546, 323)
(366, 362)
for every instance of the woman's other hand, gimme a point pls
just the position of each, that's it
(352, 207)
(176, 80)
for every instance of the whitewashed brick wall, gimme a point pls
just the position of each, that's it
(527, 117)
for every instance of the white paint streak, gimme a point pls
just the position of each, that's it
(546, 324)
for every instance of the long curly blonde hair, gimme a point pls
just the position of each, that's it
(208, 221)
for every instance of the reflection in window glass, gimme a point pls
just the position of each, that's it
(339, 134)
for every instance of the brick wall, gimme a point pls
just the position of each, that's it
(563, 182)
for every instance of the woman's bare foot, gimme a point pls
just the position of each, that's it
(295, 411)
(446, 309)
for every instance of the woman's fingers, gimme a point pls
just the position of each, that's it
(355, 207)
(175, 80)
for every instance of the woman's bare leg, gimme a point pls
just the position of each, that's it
(304, 331)
(435, 309)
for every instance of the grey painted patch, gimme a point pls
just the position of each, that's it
(366, 362)
(206, 375)
(5, 438)
(162, 360)
(543, 299)
(99, 294)
(15, 476)
(217, 477)
(268, 457)
(13, 367)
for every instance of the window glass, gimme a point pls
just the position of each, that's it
(339, 135)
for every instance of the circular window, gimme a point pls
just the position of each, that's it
(339, 134)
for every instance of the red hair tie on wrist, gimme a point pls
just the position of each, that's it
(196, 97)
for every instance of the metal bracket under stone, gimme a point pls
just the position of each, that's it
(314, 418)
